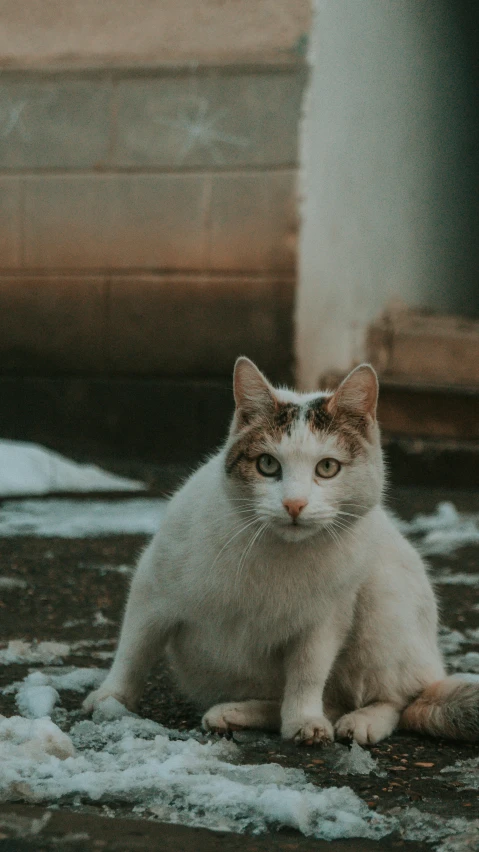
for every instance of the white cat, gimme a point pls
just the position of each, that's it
(282, 593)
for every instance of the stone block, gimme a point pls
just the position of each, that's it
(52, 325)
(54, 122)
(173, 325)
(254, 221)
(10, 223)
(88, 221)
(158, 221)
(219, 118)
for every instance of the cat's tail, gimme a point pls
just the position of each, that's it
(447, 708)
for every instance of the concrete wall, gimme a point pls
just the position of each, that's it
(148, 218)
(89, 31)
(389, 180)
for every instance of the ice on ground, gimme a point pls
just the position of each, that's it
(446, 578)
(467, 772)
(444, 531)
(468, 842)
(21, 653)
(109, 710)
(416, 825)
(37, 694)
(24, 826)
(26, 743)
(36, 699)
(100, 620)
(27, 468)
(179, 777)
(81, 518)
(7, 583)
(355, 761)
(450, 641)
(183, 781)
(466, 662)
(105, 568)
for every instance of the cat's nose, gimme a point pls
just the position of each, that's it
(294, 507)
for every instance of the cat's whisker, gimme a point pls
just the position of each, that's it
(248, 549)
(243, 528)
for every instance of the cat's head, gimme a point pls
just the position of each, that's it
(304, 463)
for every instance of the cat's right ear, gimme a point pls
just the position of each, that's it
(252, 391)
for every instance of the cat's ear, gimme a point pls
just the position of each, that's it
(357, 393)
(252, 391)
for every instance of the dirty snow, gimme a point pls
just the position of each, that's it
(186, 781)
(27, 468)
(81, 518)
(466, 772)
(190, 781)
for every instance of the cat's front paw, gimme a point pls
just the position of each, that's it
(223, 718)
(311, 730)
(94, 699)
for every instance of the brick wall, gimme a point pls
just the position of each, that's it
(148, 218)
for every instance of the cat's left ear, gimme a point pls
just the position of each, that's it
(252, 391)
(357, 393)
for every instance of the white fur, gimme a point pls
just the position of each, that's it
(330, 621)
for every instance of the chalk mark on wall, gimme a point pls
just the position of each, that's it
(201, 130)
(12, 119)
(13, 114)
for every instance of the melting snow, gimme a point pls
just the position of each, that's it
(355, 761)
(444, 531)
(12, 583)
(182, 781)
(467, 772)
(37, 694)
(19, 652)
(81, 518)
(466, 663)
(29, 469)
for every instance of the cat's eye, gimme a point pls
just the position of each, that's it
(267, 465)
(327, 468)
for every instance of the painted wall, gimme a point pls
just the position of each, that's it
(37, 31)
(389, 156)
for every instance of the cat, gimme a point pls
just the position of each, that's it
(280, 590)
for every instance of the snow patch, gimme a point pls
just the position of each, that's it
(81, 518)
(355, 761)
(26, 743)
(184, 781)
(37, 694)
(466, 662)
(445, 578)
(21, 653)
(26, 468)
(467, 772)
(444, 531)
(414, 824)
(8, 583)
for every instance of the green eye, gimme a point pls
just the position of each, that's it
(267, 465)
(327, 468)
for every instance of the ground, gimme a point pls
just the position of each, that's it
(70, 581)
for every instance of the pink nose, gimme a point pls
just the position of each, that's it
(294, 507)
